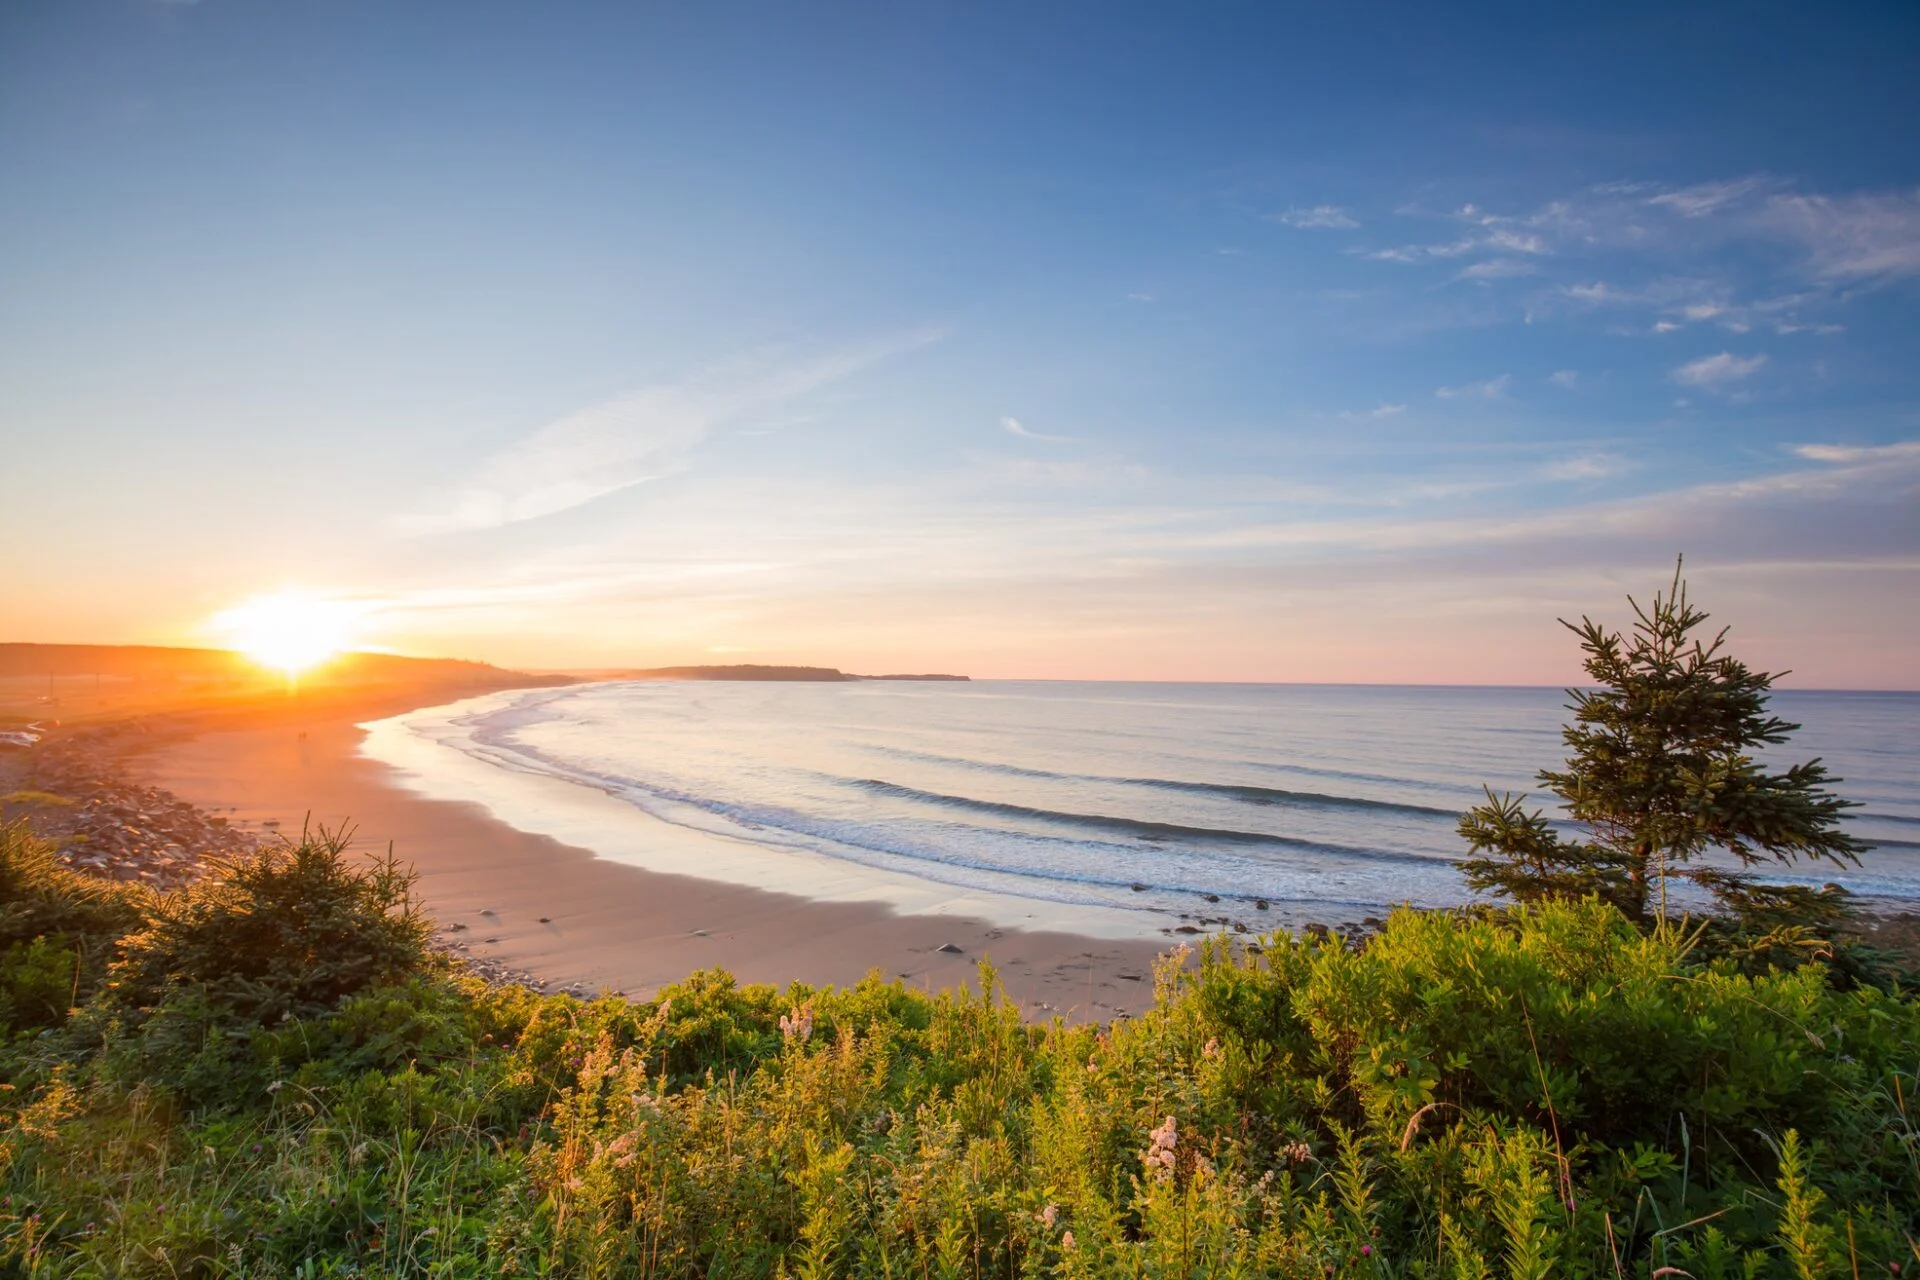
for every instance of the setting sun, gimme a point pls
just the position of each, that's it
(290, 631)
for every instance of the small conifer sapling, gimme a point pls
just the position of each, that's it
(1661, 772)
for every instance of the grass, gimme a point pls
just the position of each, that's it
(1544, 1092)
(37, 799)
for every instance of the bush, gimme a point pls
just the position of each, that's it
(58, 929)
(285, 932)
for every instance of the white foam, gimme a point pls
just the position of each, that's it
(433, 752)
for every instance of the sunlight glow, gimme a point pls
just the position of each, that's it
(290, 631)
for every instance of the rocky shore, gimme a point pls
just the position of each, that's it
(70, 789)
(73, 789)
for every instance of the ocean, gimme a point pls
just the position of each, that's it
(1115, 809)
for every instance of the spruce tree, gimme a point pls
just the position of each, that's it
(1660, 772)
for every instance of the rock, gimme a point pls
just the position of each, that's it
(1139, 888)
(1259, 904)
(1212, 897)
(948, 948)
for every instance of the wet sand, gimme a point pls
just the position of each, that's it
(571, 919)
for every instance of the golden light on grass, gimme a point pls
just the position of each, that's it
(290, 631)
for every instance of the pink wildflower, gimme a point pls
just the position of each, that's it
(1160, 1156)
(798, 1025)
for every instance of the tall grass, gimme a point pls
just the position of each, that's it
(1544, 1093)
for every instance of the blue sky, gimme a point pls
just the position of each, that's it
(1276, 342)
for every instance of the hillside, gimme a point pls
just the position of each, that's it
(160, 662)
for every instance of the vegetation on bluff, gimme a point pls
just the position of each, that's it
(270, 1075)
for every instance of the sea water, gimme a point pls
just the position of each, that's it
(1112, 808)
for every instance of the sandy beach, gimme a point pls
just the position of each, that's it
(570, 919)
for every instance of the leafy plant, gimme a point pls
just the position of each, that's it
(284, 932)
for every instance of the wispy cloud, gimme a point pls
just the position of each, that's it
(1491, 389)
(1717, 371)
(1014, 427)
(1903, 451)
(1497, 269)
(1588, 466)
(1705, 198)
(1567, 378)
(1377, 413)
(1851, 238)
(1321, 217)
(639, 436)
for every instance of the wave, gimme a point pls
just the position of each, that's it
(1905, 819)
(1245, 793)
(1136, 827)
(1279, 796)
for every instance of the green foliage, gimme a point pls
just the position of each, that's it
(1543, 1093)
(284, 932)
(58, 929)
(1661, 771)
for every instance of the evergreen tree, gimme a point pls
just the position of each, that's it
(1661, 772)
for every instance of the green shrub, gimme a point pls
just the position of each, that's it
(285, 932)
(39, 982)
(58, 929)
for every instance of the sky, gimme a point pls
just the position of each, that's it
(1310, 342)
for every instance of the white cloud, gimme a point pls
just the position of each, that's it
(1706, 198)
(1321, 217)
(1588, 466)
(1599, 291)
(1014, 427)
(1497, 269)
(633, 438)
(1902, 451)
(1567, 378)
(1516, 242)
(1713, 372)
(1491, 389)
(1852, 237)
(1379, 412)
(1140, 297)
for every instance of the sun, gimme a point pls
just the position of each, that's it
(290, 631)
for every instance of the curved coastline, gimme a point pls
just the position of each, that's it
(419, 748)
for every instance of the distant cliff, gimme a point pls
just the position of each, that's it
(142, 662)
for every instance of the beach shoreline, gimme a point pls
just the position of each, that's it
(560, 917)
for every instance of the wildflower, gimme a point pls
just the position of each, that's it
(1066, 1242)
(1366, 1251)
(1049, 1216)
(1296, 1153)
(1212, 1050)
(1160, 1156)
(798, 1025)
